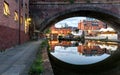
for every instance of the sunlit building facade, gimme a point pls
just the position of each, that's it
(60, 31)
(108, 33)
(90, 26)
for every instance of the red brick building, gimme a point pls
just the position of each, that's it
(60, 31)
(13, 28)
(91, 25)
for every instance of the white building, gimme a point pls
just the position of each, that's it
(108, 33)
(79, 33)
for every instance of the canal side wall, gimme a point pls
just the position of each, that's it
(47, 68)
(9, 28)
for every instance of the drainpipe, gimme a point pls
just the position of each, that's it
(19, 36)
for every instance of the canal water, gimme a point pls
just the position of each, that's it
(88, 58)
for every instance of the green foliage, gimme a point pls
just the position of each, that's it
(44, 44)
(37, 67)
(60, 37)
(47, 31)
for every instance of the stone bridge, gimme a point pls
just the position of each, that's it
(45, 14)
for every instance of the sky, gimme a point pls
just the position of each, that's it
(73, 21)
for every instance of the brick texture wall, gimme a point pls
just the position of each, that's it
(9, 28)
(10, 37)
(82, 1)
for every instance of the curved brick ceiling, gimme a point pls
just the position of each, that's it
(103, 15)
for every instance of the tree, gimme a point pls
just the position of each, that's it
(47, 31)
(76, 30)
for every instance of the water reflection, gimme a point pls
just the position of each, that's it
(77, 53)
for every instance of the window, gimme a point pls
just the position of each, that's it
(27, 23)
(85, 24)
(16, 16)
(6, 8)
(26, 26)
(26, 5)
(21, 2)
(94, 23)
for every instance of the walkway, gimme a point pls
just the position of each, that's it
(17, 60)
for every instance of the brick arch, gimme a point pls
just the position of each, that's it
(104, 15)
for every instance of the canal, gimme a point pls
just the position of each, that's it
(88, 58)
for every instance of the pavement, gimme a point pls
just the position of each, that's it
(17, 60)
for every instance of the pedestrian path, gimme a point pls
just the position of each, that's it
(17, 60)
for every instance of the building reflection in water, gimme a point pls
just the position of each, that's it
(74, 52)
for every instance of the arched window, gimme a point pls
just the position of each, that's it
(6, 8)
(16, 16)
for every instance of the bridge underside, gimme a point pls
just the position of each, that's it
(106, 16)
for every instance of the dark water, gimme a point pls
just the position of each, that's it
(90, 58)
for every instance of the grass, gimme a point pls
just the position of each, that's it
(37, 68)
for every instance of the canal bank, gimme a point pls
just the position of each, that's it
(41, 64)
(46, 63)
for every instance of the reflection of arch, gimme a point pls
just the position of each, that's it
(108, 65)
(98, 13)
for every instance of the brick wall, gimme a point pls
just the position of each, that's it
(81, 1)
(9, 28)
